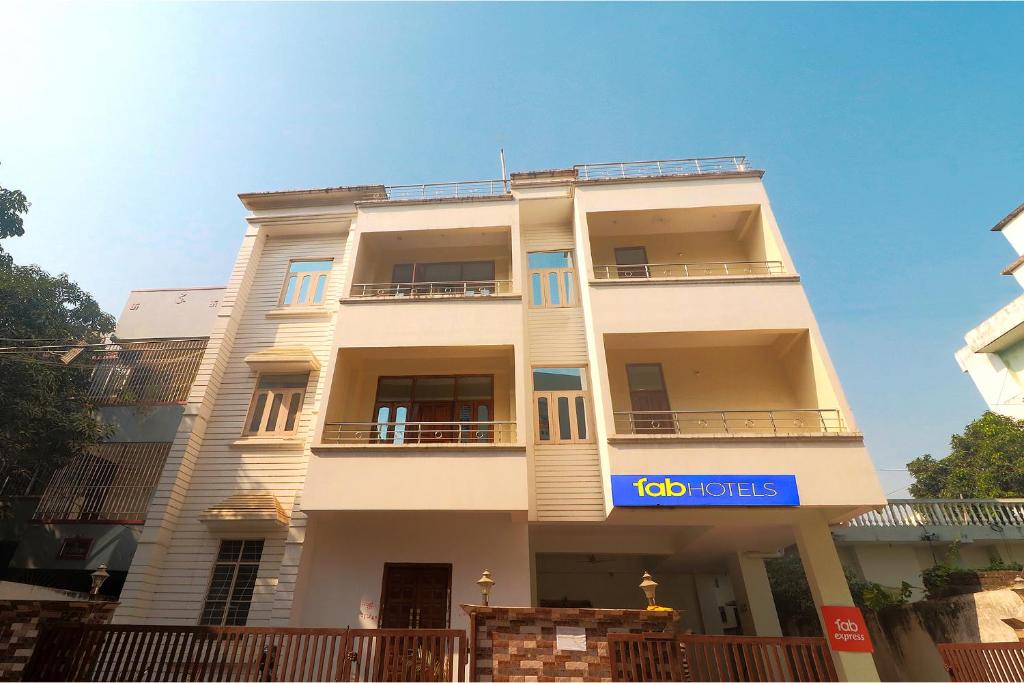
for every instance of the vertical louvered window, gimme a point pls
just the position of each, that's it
(232, 584)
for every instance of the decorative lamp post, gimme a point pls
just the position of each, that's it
(648, 586)
(486, 583)
(98, 578)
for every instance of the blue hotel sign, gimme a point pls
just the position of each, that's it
(704, 490)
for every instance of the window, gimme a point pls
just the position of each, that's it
(74, 548)
(306, 283)
(560, 399)
(231, 586)
(451, 408)
(552, 280)
(276, 405)
(478, 275)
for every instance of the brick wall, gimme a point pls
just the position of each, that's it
(21, 620)
(519, 643)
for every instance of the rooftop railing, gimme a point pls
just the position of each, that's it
(431, 290)
(412, 433)
(783, 421)
(459, 190)
(921, 512)
(664, 168)
(650, 271)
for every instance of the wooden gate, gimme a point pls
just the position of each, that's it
(983, 661)
(240, 653)
(665, 657)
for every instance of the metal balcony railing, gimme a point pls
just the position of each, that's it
(664, 168)
(113, 483)
(922, 512)
(650, 271)
(411, 433)
(784, 421)
(403, 290)
(459, 190)
(144, 372)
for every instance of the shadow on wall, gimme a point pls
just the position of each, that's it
(905, 636)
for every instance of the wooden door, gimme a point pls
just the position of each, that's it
(416, 596)
(433, 412)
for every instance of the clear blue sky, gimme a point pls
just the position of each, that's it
(892, 135)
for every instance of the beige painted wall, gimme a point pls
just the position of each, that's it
(432, 322)
(169, 313)
(343, 562)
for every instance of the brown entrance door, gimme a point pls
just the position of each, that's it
(435, 411)
(416, 595)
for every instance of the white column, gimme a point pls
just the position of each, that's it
(828, 587)
(753, 596)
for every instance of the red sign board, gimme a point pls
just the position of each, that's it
(846, 629)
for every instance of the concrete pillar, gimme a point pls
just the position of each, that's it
(753, 596)
(707, 600)
(828, 587)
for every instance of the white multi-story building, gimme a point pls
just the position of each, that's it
(566, 378)
(994, 352)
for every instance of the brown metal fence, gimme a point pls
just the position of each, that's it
(983, 661)
(664, 657)
(225, 653)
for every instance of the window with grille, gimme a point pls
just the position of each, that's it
(231, 587)
(306, 283)
(276, 405)
(74, 548)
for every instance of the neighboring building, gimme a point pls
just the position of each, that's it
(92, 509)
(994, 354)
(896, 543)
(567, 378)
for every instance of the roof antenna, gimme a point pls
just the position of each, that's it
(504, 178)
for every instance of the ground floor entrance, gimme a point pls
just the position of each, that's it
(416, 595)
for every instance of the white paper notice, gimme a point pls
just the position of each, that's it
(571, 638)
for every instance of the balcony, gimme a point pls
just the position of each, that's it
(132, 373)
(683, 244)
(420, 428)
(727, 384)
(471, 189)
(459, 289)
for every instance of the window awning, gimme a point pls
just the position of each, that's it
(281, 359)
(249, 510)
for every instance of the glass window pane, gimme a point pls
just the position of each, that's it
(581, 417)
(543, 422)
(557, 379)
(398, 430)
(309, 266)
(401, 272)
(564, 425)
(645, 377)
(394, 388)
(483, 413)
(554, 294)
(275, 409)
(383, 413)
(434, 388)
(293, 412)
(289, 291)
(229, 551)
(475, 388)
(536, 293)
(257, 412)
(321, 285)
(252, 550)
(465, 413)
(439, 272)
(630, 255)
(304, 290)
(283, 381)
(478, 270)
(570, 294)
(549, 259)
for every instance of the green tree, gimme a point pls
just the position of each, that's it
(44, 415)
(986, 461)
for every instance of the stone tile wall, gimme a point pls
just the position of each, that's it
(519, 643)
(21, 621)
